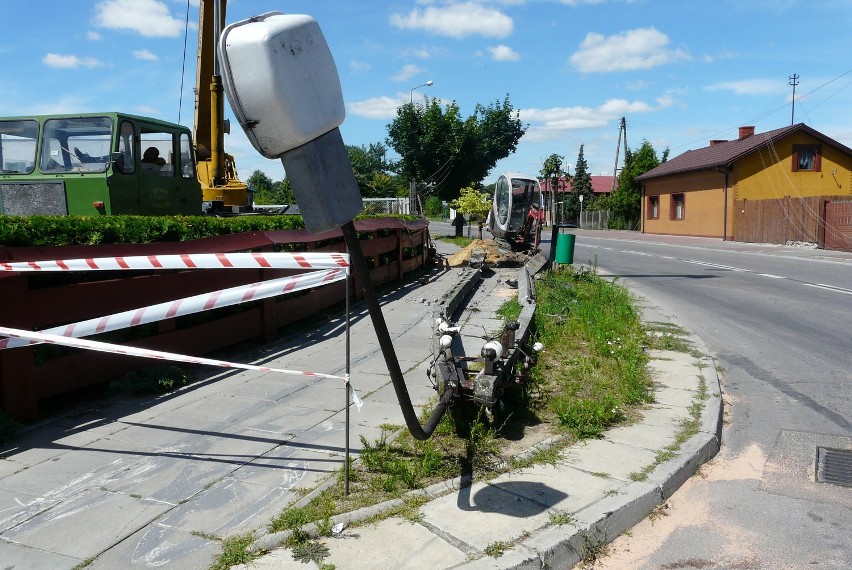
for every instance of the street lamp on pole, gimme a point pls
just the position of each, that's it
(412, 187)
(411, 93)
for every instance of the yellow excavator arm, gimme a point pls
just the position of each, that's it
(216, 169)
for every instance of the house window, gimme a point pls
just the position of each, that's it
(653, 207)
(678, 207)
(807, 158)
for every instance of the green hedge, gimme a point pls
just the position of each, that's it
(32, 231)
(85, 230)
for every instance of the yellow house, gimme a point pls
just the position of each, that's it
(790, 184)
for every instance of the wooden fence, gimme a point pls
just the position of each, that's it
(786, 220)
(34, 301)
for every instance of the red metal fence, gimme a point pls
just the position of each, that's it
(34, 301)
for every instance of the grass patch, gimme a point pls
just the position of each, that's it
(510, 310)
(594, 363)
(461, 242)
(234, 551)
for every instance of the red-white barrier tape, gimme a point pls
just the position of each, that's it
(147, 353)
(189, 305)
(269, 260)
(335, 264)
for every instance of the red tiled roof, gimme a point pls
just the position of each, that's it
(600, 185)
(724, 154)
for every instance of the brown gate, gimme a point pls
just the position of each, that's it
(838, 225)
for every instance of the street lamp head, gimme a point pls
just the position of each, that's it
(429, 83)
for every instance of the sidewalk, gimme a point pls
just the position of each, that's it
(148, 483)
(545, 515)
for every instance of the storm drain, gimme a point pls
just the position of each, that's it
(834, 466)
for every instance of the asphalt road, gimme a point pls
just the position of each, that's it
(779, 322)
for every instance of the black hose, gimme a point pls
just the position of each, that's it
(362, 273)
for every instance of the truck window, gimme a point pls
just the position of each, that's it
(157, 153)
(187, 165)
(18, 146)
(79, 144)
(125, 162)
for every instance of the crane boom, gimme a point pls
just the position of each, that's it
(216, 170)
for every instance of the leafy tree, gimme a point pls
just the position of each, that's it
(551, 169)
(259, 181)
(433, 206)
(472, 203)
(446, 152)
(368, 164)
(626, 200)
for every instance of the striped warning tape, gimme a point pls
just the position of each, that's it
(189, 305)
(160, 355)
(336, 266)
(256, 260)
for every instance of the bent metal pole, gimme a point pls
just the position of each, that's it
(362, 274)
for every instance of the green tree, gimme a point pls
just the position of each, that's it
(368, 164)
(472, 203)
(581, 185)
(626, 200)
(551, 169)
(259, 181)
(440, 149)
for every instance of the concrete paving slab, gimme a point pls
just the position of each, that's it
(392, 544)
(615, 460)
(678, 397)
(649, 436)
(17, 507)
(277, 560)
(667, 416)
(483, 514)
(77, 536)
(22, 557)
(288, 467)
(159, 546)
(61, 477)
(230, 507)
(558, 488)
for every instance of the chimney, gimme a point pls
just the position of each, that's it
(746, 132)
(714, 142)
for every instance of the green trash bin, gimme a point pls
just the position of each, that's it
(565, 248)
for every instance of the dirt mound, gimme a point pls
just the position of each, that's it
(494, 254)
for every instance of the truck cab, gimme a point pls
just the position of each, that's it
(96, 164)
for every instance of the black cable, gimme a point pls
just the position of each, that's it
(362, 274)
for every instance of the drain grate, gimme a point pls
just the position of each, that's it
(834, 466)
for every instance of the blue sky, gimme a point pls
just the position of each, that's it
(681, 72)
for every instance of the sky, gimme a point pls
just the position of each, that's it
(680, 72)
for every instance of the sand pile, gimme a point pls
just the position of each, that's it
(493, 253)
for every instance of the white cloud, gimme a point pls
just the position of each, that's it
(359, 66)
(504, 53)
(60, 61)
(642, 48)
(144, 54)
(550, 124)
(150, 18)
(407, 72)
(749, 86)
(93, 36)
(378, 107)
(456, 21)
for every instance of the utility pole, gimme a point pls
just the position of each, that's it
(622, 128)
(794, 80)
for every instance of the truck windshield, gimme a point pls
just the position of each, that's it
(79, 144)
(18, 146)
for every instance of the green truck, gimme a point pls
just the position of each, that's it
(95, 164)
